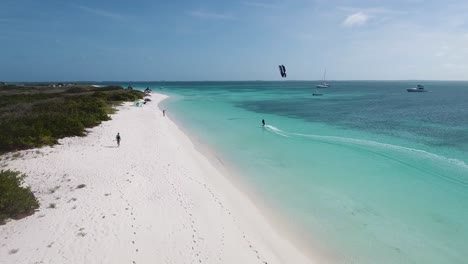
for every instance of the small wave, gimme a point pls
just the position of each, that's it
(375, 144)
(276, 130)
(369, 143)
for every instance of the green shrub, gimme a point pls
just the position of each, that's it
(108, 88)
(34, 120)
(77, 90)
(16, 201)
(99, 94)
(24, 98)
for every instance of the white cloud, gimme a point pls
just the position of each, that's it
(102, 13)
(210, 15)
(356, 19)
(262, 5)
(373, 10)
(443, 51)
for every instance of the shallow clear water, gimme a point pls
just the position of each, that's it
(368, 171)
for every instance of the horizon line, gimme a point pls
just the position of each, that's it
(169, 81)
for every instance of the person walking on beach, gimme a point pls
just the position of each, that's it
(263, 122)
(118, 139)
(164, 112)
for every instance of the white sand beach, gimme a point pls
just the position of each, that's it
(155, 199)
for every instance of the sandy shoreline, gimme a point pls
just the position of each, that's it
(156, 199)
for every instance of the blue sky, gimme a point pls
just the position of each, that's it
(233, 40)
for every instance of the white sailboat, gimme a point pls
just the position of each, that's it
(324, 84)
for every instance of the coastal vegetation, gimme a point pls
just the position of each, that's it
(35, 116)
(15, 200)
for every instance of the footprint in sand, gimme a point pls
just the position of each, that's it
(13, 251)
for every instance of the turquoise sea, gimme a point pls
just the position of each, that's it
(368, 173)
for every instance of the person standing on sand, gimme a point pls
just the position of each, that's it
(118, 139)
(164, 112)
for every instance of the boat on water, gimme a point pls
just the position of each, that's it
(324, 84)
(418, 89)
(316, 92)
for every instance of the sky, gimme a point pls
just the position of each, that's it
(179, 40)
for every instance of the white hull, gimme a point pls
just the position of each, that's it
(322, 86)
(415, 90)
(418, 89)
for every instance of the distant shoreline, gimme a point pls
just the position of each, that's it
(217, 81)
